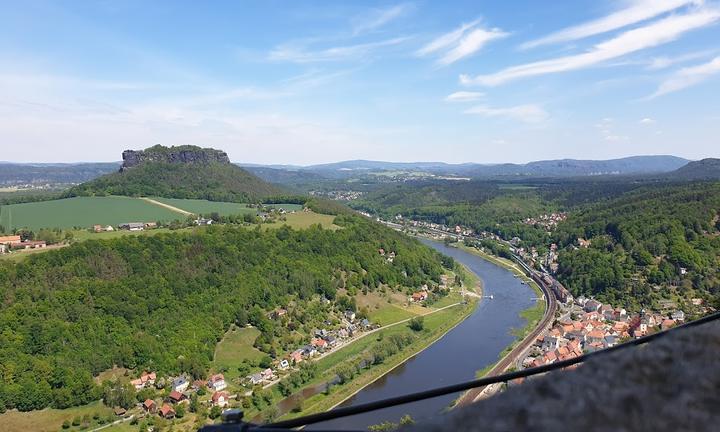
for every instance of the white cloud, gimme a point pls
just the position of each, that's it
(657, 33)
(470, 44)
(379, 17)
(299, 54)
(526, 113)
(647, 121)
(461, 42)
(638, 11)
(464, 96)
(687, 77)
(664, 62)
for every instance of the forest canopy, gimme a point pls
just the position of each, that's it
(163, 302)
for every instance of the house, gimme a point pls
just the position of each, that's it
(180, 384)
(365, 323)
(176, 397)
(610, 341)
(217, 382)
(98, 228)
(596, 336)
(319, 343)
(331, 341)
(3, 248)
(550, 343)
(350, 315)
(167, 411)
(342, 333)
(10, 240)
(132, 226)
(119, 411)
(220, 399)
(150, 225)
(296, 356)
(144, 380)
(419, 296)
(267, 374)
(284, 364)
(109, 228)
(592, 305)
(678, 315)
(203, 222)
(198, 384)
(277, 313)
(255, 378)
(149, 406)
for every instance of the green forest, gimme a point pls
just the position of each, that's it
(163, 302)
(654, 236)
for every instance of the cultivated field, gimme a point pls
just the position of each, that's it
(82, 212)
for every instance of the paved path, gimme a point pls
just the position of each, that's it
(168, 206)
(116, 422)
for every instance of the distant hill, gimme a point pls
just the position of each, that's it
(284, 176)
(547, 168)
(13, 174)
(698, 170)
(180, 172)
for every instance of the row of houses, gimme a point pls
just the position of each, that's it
(594, 326)
(322, 341)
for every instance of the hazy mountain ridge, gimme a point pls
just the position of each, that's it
(698, 170)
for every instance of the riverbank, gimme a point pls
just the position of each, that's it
(436, 325)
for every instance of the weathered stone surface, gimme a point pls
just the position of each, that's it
(182, 154)
(672, 384)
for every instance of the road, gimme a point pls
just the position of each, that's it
(169, 207)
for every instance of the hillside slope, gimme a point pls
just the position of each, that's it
(179, 172)
(698, 170)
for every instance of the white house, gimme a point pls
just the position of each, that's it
(217, 382)
(180, 384)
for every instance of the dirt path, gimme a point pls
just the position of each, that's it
(168, 206)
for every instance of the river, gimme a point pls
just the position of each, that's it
(469, 347)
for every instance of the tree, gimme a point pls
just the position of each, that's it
(215, 412)
(417, 323)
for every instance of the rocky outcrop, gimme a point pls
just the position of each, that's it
(174, 155)
(670, 384)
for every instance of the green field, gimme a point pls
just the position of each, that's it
(82, 212)
(236, 346)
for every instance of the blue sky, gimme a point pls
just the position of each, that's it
(312, 82)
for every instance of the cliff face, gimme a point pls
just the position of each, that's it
(174, 155)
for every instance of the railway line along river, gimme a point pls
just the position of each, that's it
(472, 345)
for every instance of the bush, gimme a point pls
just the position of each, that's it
(417, 324)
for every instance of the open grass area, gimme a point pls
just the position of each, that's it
(236, 346)
(82, 212)
(302, 220)
(49, 419)
(389, 314)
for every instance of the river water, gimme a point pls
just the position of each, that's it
(469, 347)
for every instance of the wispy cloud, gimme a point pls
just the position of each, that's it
(461, 42)
(300, 54)
(657, 33)
(637, 11)
(464, 96)
(379, 17)
(664, 62)
(687, 77)
(647, 121)
(526, 113)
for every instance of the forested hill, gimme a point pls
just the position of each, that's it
(666, 237)
(163, 302)
(180, 172)
(698, 170)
